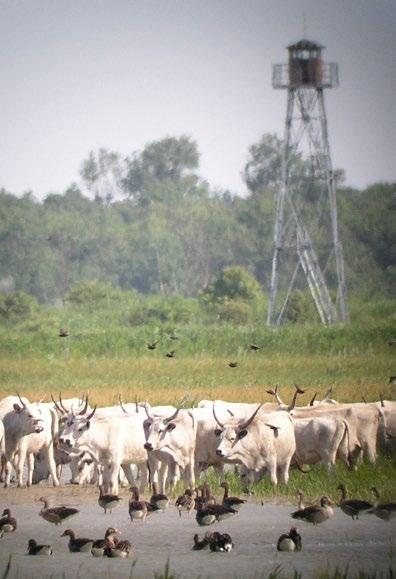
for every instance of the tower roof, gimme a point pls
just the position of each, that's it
(305, 44)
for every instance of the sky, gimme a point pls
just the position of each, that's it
(77, 75)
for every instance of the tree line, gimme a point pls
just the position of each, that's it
(150, 223)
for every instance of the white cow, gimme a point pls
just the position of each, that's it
(262, 441)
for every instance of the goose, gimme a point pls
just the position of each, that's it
(139, 509)
(157, 499)
(120, 549)
(352, 507)
(207, 514)
(220, 542)
(8, 523)
(107, 502)
(99, 546)
(200, 544)
(185, 502)
(290, 541)
(35, 549)
(315, 514)
(78, 545)
(56, 514)
(233, 502)
(384, 511)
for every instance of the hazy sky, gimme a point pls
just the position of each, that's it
(77, 75)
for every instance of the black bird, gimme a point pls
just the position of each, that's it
(158, 499)
(35, 549)
(233, 364)
(233, 502)
(384, 511)
(63, 333)
(152, 345)
(221, 542)
(290, 541)
(352, 507)
(8, 523)
(78, 544)
(200, 544)
(106, 501)
(170, 354)
(254, 347)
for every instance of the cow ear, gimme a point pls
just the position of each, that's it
(275, 429)
(171, 426)
(218, 432)
(242, 433)
(17, 408)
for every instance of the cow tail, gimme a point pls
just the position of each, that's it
(347, 436)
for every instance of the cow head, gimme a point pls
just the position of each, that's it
(29, 417)
(73, 429)
(231, 434)
(158, 429)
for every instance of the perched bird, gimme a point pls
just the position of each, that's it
(8, 523)
(220, 542)
(200, 544)
(100, 545)
(158, 499)
(78, 545)
(152, 345)
(120, 549)
(139, 509)
(254, 347)
(233, 364)
(56, 514)
(290, 541)
(107, 502)
(352, 507)
(35, 549)
(170, 354)
(185, 502)
(315, 514)
(233, 502)
(63, 333)
(384, 511)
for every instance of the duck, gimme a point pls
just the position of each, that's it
(207, 514)
(120, 549)
(100, 545)
(290, 541)
(78, 545)
(158, 499)
(139, 509)
(8, 523)
(106, 501)
(315, 514)
(185, 502)
(35, 549)
(233, 502)
(384, 511)
(352, 507)
(200, 544)
(220, 542)
(56, 514)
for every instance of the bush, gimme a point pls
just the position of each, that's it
(161, 309)
(95, 293)
(17, 306)
(234, 283)
(235, 311)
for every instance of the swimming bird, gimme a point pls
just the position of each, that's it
(200, 544)
(35, 549)
(120, 549)
(56, 514)
(207, 514)
(185, 502)
(290, 541)
(352, 507)
(220, 542)
(107, 502)
(233, 502)
(158, 499)
(139, 509)
(100, 545)
(8, 523)
(78, 544)
(384, 511)
(315, 514)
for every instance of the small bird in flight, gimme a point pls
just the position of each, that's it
(170, 354)
(254, 347)
(233, 364)
(63, 333)
(152, 345)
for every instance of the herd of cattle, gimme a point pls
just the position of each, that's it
(162, 443)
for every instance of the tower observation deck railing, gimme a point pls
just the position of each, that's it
(305, 74)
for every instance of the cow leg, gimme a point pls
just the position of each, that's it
(113, 470)
(7, 470)
(190, 474)
(20, 464)
(30, 468)
(284, 471)
(49, 454)
(271, 468)
(143, 473)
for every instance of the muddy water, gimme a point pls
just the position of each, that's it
(367, 543)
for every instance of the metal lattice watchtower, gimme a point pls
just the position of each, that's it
(307, 248)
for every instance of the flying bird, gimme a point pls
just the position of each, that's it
(233, 364)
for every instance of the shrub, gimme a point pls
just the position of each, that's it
(235, 311)
(17, 306)
(96, 293)
(234, 283)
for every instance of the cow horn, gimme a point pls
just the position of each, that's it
(21, 401)
(90, 415)
(229, 412)
(250, 420)
(136, 405)
(61, 403)
(277, 396)
(167, 420)
(83, 411)
(313, 399)
(382, 400)
(215, 417)
(329, 391)
(293, 402)
(147, 412)
(57, 405)
(121, 404)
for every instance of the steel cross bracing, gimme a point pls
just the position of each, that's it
(306, 137)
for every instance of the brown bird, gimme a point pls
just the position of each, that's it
(107, 502)
(233, 364)
(233, 502)
(152, 345)
(78, 544)
(315, 514)
(254, 347)
(116, 548)
(170, 354)
(185, 502)
(352, 507)
(56, 514)
(139, 509)
(158, 499)
(63, 333)
(290, 541)
(7, 523)
(100, 545)
(35, 549)
(384, 511)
